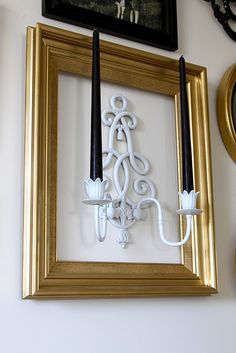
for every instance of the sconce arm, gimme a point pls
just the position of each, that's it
(101, 233)
(161, 222)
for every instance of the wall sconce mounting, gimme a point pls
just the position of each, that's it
(122, 212)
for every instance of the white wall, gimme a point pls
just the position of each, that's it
(112, 326)
(145, 245)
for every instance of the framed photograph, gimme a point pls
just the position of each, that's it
(152, 22)
(61, 257)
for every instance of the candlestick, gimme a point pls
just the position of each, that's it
(96, 134)
(186, 142)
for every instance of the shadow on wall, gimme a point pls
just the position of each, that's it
(223, 197)
(2, 40)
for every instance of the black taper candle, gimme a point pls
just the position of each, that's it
(96, 133)
(185, 129)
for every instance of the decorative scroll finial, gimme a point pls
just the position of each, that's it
(225, 15)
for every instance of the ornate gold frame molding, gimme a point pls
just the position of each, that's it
(225, 114)
(50, 51)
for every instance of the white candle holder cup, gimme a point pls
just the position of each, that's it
(95, 190)
(188, 203)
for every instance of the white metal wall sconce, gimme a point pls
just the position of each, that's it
(122, 212)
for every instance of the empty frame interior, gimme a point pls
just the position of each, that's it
(57, 60)
(154, 138)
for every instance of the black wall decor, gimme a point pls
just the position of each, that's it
(152, 22)
(224, 12)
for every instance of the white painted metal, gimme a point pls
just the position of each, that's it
(123, 212)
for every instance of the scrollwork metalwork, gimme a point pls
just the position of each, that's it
(224, 14)
(120, 210)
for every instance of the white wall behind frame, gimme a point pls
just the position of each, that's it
(154, 137)
(166, 325)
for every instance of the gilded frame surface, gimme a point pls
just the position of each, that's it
(224, 106)
(50, 50)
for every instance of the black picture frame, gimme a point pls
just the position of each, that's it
(164, 38)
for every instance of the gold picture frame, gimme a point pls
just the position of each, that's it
(50, 51)
(225, 111)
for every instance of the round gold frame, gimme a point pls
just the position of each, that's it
(225, 116)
